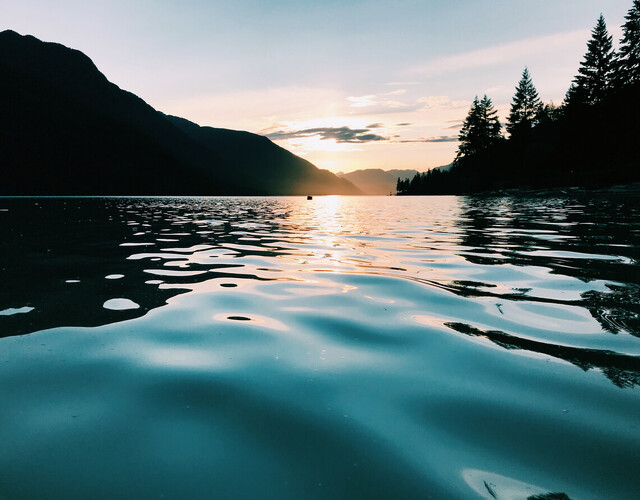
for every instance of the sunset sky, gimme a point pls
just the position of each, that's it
(345, 84)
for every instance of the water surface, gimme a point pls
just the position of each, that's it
(364, 347)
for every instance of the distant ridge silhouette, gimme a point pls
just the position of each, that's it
(378, 181)
(66, 130)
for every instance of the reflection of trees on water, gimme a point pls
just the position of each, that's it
(541, 232)
(617, 310)
(550, 496)
(622, 370)
(591, 240)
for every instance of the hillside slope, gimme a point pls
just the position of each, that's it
(66, 130)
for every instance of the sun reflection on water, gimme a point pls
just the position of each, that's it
(402, 344)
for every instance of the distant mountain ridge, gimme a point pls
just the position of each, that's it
(378, 181)
(66, 130)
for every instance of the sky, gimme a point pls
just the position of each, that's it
(345, 84)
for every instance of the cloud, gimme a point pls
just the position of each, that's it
(441, 102)
(492, 56)
(375, 125)
(384, 104)
(492, 90)
(440, 138)
(338, 134)
(362, 101)
(402, 84)
(405, 124)
(371, 100)
(456, 125)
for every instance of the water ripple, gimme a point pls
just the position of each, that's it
(358, 347)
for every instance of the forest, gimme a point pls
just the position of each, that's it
(589, 141)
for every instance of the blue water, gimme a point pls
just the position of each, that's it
(343, 347)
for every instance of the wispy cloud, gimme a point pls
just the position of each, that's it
(388, 103)
(440, 138)
(492, 90)
(402, 84)
(338, 134)
(441, 102)
(352, 135)
(456, 125)
(498, 54)
(377, 100)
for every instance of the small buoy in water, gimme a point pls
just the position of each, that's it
(309, 197)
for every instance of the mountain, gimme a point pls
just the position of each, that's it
(377, 181)
(66, 130)
(249, 155)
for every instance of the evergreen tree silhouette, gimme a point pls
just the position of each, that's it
(525, 106)
(571, 96)
(548, 113)
(628, 67)
(481, 129)
(595, 76)
(467, 135)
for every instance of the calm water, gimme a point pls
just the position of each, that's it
(365, 347)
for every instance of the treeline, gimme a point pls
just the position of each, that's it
(591, 140)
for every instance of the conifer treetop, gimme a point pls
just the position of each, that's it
(525, 105)
(628, 70)
(481, 128)
(595, 75)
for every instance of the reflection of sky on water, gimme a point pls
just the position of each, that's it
(385, 347)
(559, 270)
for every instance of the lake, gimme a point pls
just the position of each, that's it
(341, 347)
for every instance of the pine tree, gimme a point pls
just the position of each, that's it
(628, 68)
(595, 76)
(467, 132)
(491, 124)
(525, 106)
(571, 96)
(480, 130)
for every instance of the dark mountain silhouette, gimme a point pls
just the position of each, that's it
(250, 155)
(65, 129)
